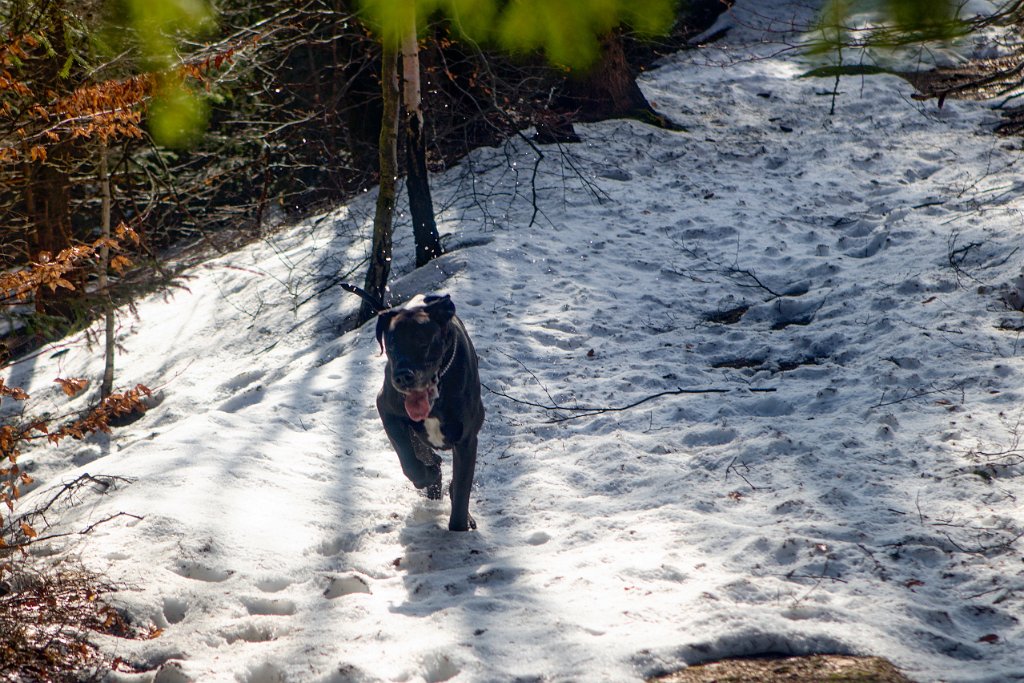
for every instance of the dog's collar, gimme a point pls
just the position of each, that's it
(455, 350)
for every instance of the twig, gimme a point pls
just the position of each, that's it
(92, 526)
(590, 411)
(984, 550)
(533, 176)
(732, 468)
(333, 282)
(957, 256)
(72, 486)
(912, 395)
(83, 532)
(757, 282)
(817, 582)
(531, 373)
(67, 491)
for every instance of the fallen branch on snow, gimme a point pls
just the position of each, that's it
(590, 411)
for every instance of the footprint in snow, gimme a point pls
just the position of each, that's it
(789, 507)
(273, 584)
(269, 606)
(855, 228)
(348, 673)
(170, 672)
(743, 591)
(174, 610)
(788, 312)
(199, 572)
(827, 400)
(264, 672)
(783, 312)
(987, 619)
(933, 155)
(861, 249)
(249, 397)
(248, 633)
(346, 585)
(718, 436)
(494, 575)
(241, 381)
(769, 407)
(803, 612)
(438, 667)
(339, 544)
(538, 538)
(787, 552)
(922, 172)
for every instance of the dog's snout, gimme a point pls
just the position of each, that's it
(404, 378)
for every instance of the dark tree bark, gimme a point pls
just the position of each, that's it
(48, 204)
(46, 194)
(607, 91)
(48, 209)
(417, 182)
(421, 206)
(380, 258)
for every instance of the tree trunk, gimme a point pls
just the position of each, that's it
(107, 386)
(380, 258)
(417, 182)
(48, 181)
(608, 91)
(48, 208)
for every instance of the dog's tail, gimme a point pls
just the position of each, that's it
(377, 304)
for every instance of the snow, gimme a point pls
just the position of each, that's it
(864, 499)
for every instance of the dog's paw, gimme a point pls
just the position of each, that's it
(470, 524)
(431, 487)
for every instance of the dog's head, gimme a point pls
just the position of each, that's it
(417, 339)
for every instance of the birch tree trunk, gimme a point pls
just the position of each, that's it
(421, 206)
(380, 258)
(107, 386)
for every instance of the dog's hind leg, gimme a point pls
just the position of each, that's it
(421, 474)
(463, 465)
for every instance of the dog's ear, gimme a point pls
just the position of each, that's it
(439, 308)
(383, 322)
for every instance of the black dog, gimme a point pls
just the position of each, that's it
(431, 395)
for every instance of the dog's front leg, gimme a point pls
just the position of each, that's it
(419, 473)
(463, 465)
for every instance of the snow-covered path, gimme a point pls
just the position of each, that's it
(854, 265)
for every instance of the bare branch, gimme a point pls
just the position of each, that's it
(590, 411)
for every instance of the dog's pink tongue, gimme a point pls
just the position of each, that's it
(417, 405)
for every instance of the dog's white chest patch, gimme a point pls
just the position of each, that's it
(434, 435)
